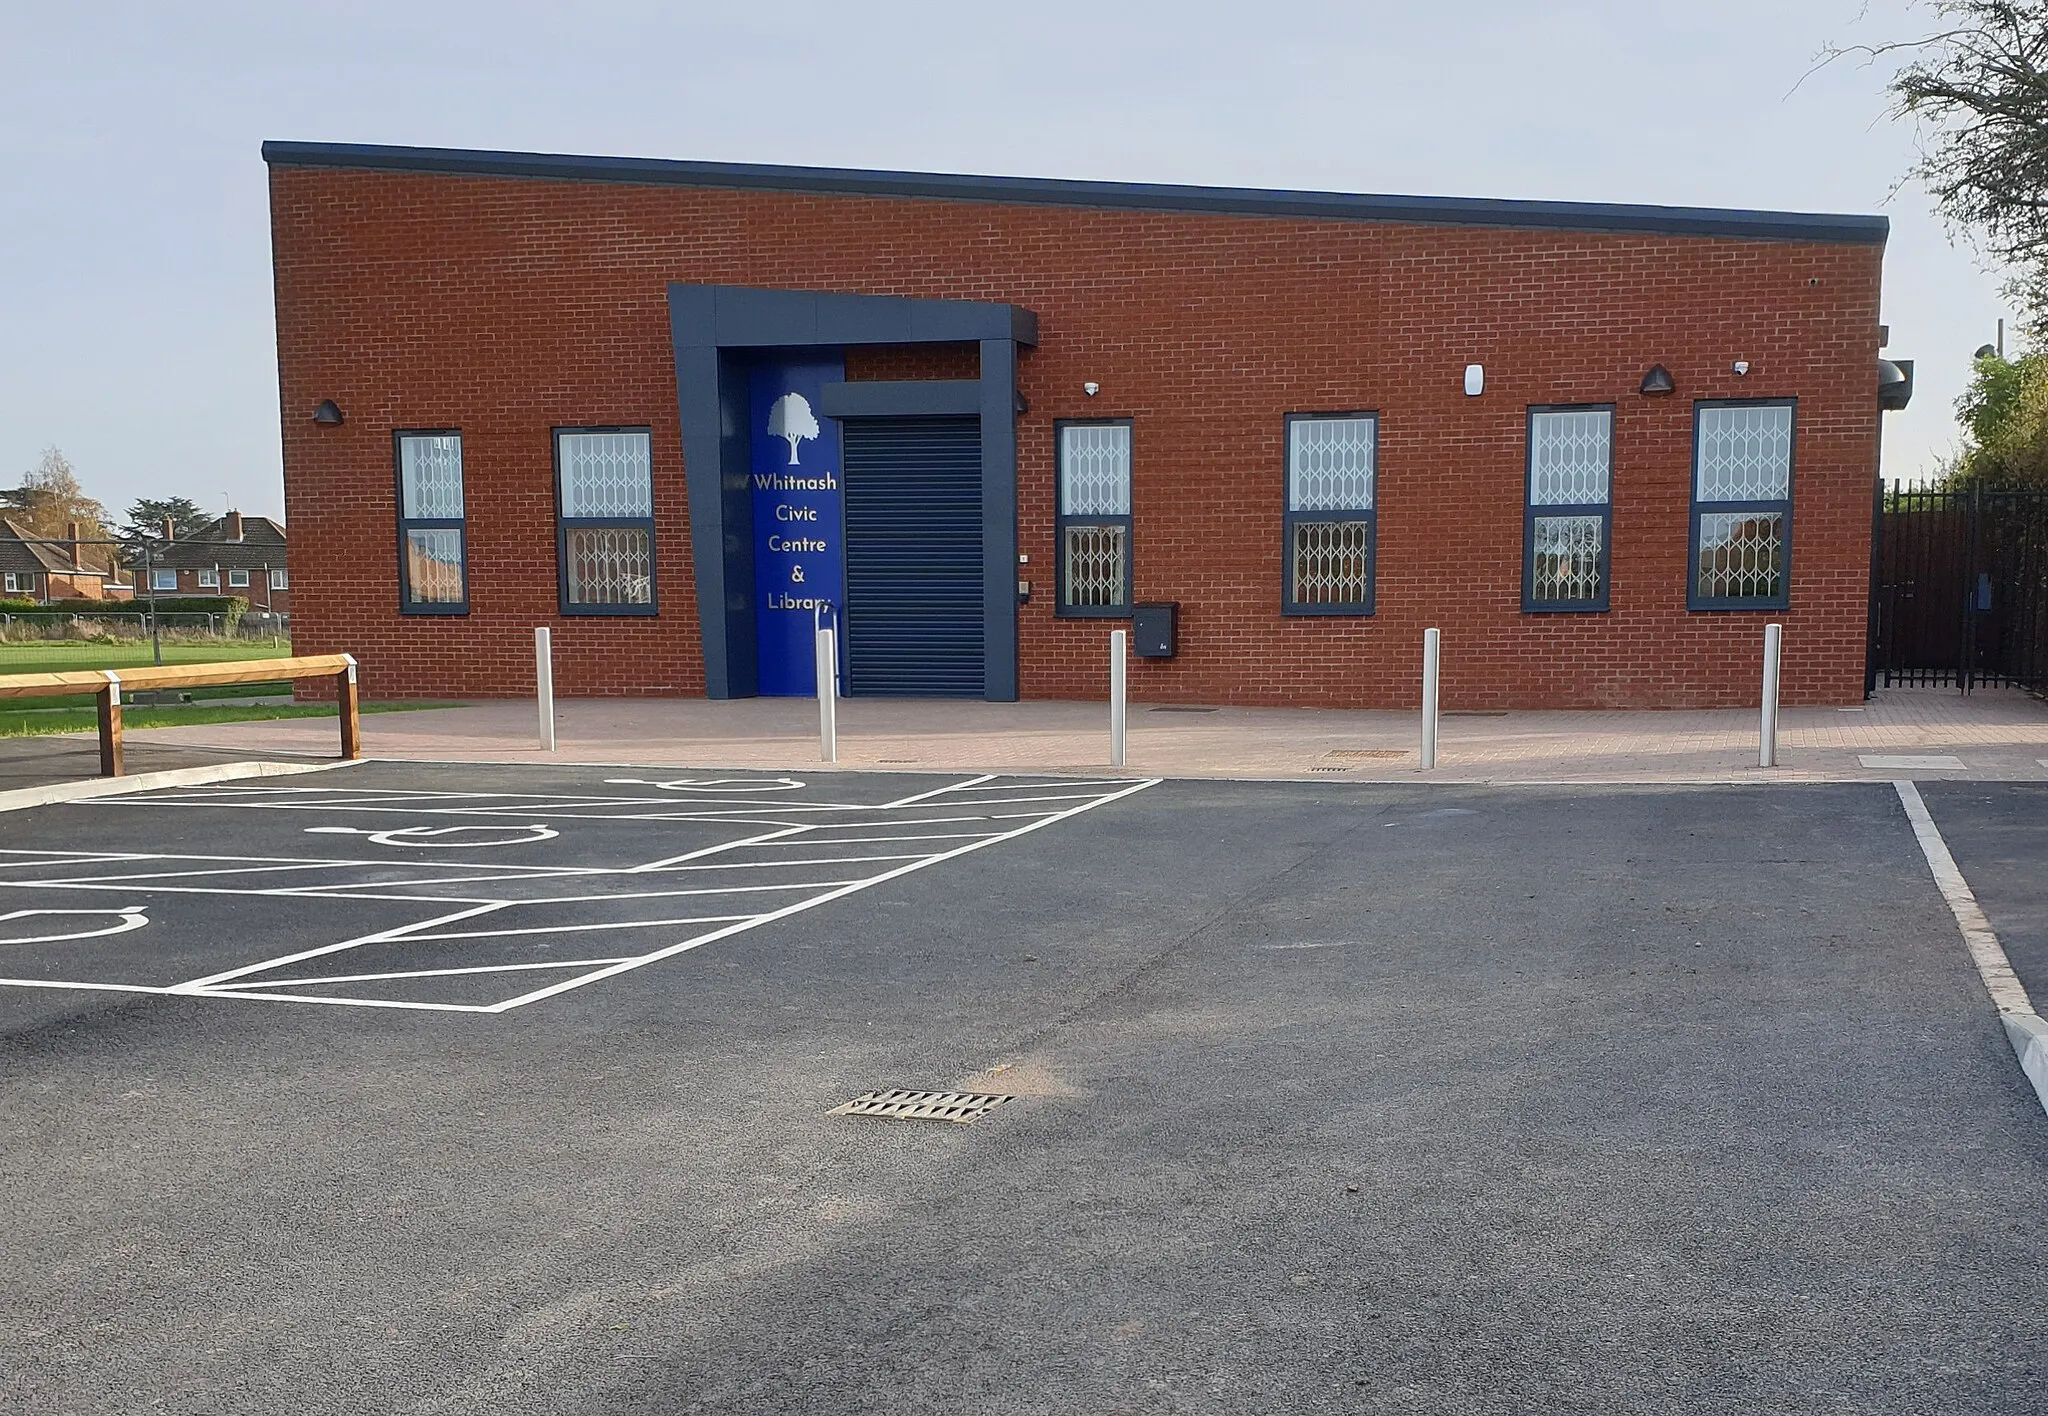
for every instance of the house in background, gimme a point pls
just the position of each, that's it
(236, 555)
(38, 568)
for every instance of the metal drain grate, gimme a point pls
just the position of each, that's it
(963, 1107)
(1367, 752)
(1329, 769)
(1177, 708)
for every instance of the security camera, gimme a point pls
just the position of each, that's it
(1091, 388)
(1741, 366)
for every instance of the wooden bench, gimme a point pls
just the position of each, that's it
(106, 686)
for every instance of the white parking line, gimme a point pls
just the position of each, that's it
(423, 973)
(2024, 1028)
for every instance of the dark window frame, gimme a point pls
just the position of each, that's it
(1694, 601)
(565, 524)
(1062, 521)
(1289, 518)
(458, 524)
(1531, 513)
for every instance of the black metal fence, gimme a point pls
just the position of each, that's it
(1961, 595)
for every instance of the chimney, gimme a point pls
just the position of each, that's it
(234, 526)
(77, 551)
(170, 529)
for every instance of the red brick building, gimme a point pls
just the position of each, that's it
(40, 568)
(678, 411)
(240, 556)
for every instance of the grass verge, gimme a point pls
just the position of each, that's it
(34, 722)
(56, 657)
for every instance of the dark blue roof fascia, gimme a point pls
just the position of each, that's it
(1114, 196)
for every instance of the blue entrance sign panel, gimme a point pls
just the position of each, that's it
(799, 536)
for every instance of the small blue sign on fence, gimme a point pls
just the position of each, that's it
(799, 520)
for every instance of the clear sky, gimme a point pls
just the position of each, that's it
(135, 303)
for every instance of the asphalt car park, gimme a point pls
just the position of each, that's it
(453, 1089)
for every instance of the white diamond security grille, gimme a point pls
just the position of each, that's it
(1567, 558)
(608, 566)
(607, 474)
(1094, 566)
(1332, 562)
(430, 473)
(1742, 555)
(1095, 470)
(1570, 451)
(1330, 464)
(1745, 453)
(964, 1108)
(433, 566)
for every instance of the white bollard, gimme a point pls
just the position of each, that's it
(1767, 726)
(1118, 716)
(1432, 656)
(828, 695)
(544, 685)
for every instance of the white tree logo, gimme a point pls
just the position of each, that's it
(791, 420)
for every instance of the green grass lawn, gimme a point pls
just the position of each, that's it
(58, 656)
(34, 722)
(43, 656)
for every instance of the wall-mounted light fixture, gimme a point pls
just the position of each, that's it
(1475, 380)
(328, 414)
(1657, 382)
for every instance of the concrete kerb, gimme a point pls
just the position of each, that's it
(54, 793)
(1776, 777)
(2029, 1038)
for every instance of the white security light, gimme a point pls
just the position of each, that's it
(1475, 380)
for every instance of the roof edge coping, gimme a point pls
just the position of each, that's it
(1604, 217)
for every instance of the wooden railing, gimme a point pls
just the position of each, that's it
(107, 685)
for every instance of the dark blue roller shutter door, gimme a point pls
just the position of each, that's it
(913, 557)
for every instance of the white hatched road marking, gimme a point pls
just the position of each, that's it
(781, 818)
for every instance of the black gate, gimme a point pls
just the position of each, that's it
(914, 557)
(1961, 594)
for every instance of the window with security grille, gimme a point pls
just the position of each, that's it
(433, 562)
(604, 492)
(1742, 505)
(1094, 521)
(1331, 529)
(1569, 509)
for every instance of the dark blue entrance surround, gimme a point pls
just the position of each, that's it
(723, 332)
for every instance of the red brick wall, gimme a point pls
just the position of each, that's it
(913, 361)
(507, 307)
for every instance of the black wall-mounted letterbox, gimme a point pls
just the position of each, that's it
(1155, 629)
